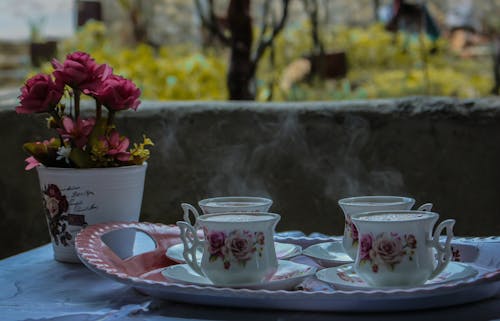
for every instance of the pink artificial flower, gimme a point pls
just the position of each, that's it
(32, 163)
(116, 146)
(118, 93)
(79, 70)
(78, 130)
(39, 94)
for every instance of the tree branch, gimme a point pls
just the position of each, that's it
(312, 9)
(210, 22)
(265, 43)
(264, 26)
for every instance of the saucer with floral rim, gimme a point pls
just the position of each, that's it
(288, 275)
(283, 251)
(345, 278)
(328, 254)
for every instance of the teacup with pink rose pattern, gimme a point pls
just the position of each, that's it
(238, 247)
(398, 248)
(352, 206)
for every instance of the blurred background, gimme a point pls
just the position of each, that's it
(280, 50)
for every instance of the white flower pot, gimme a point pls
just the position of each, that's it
(74, 198)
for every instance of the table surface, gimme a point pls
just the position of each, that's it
(36, 287)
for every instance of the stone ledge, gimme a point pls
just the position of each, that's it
(305, 156)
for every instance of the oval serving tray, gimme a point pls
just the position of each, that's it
(143, 272)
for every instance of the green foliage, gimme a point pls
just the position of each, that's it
(169, 73)
(381, 65)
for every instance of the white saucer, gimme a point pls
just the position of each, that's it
(345, 278)
(328, 254)
(288, 275)
(283, 251)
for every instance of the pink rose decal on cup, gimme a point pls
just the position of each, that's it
(235, 247)
(353, 231)
(216, 242)
(399, 248)
(387, 249)
(238, 247)
(365, 245)
(241, 245)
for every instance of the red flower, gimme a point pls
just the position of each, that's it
(116, 146)
(78, 131)
(118, 93)
(39, 94)
(79, 70)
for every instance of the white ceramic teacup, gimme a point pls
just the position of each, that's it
(227, 204)
(352, 206)
(238, 247)
(397, 248)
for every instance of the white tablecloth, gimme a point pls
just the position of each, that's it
(34, 286)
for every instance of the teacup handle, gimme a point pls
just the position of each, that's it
(427, 207)
(443, 251)
(188, 209)
(191, 242)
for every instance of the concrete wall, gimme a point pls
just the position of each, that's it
(305, 156)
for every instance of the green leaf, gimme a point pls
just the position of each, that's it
(80, 158)
(44, 153)
(98, 131)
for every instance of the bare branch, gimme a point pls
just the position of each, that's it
(312, 9)
(265, 43)
(265, 25)
(210, 22)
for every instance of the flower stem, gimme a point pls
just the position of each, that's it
(77, 102)
(56, 117)
(111, 118)
(98, 110)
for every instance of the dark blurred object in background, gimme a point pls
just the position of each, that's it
(88, 10)
(41, 52)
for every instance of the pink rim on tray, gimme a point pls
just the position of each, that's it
(94, 252)
(143, 272)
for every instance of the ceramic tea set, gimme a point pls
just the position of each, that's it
(385, 244)
(232, 244)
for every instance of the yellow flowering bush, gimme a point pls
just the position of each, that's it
(172, 73)
(381, 64)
